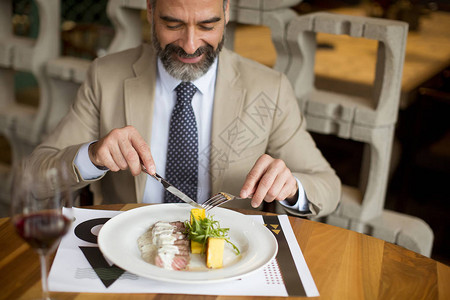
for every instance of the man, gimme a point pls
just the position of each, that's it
(250, 133)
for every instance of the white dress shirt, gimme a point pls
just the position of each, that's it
(165, 99)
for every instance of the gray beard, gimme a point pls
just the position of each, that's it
(184, 71)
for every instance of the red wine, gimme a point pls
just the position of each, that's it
(42, 230)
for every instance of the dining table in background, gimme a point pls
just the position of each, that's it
(344, 265)
(349, 63)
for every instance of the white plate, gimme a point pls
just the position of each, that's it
(118, 242)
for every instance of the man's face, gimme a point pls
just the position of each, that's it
(188, 35)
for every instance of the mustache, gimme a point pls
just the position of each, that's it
(171, 48)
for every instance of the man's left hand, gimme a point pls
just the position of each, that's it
(269, 179)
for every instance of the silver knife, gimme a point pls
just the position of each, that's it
(173, 190)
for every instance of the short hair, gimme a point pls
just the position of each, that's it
(153, 3)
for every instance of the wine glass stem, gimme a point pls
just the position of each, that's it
(44, 277)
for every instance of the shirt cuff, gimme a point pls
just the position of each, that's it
(85, 166)
(302, 203)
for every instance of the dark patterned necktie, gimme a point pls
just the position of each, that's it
(182, 150)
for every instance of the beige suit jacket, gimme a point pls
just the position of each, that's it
(255, 112)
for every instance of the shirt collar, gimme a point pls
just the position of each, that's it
(203, 83)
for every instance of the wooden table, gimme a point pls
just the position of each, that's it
(343, 263)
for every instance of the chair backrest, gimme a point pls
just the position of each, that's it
(378, 109)
(29, 55)
(275, 14)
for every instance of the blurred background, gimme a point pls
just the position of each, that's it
(420, 162)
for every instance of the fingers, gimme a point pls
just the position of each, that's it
(101, 156)
(144, 154)
(269, 179)
(253, 177)
(121, 149)
(128, 157)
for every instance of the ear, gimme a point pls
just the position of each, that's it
(149, 12)
(227, 12)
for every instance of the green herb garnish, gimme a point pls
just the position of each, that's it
(200, 230)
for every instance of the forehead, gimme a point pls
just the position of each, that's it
(189, 9)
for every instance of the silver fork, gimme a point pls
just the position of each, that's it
(217, 200)
(212, 202)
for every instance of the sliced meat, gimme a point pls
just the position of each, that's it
(180, 262)
(179, 226)
(172, 246)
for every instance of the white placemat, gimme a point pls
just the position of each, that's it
(73, 270)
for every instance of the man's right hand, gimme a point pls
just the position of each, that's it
(121, 149)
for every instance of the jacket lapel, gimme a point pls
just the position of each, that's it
(139, 95)
(228, 102)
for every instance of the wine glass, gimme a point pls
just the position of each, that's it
(37, 203)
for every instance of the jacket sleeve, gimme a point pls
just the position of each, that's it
(291, 142)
